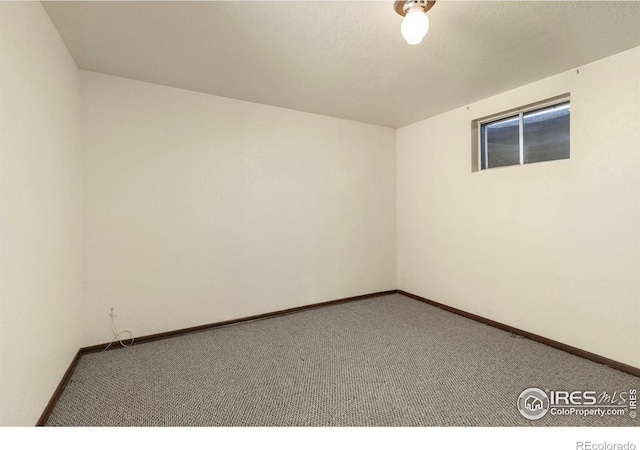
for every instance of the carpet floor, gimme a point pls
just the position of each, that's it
(387, 361)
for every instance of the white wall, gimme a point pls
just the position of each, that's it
(40, 216)
(552, 248)
(200, 209)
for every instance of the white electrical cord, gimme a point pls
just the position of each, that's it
(116, 333)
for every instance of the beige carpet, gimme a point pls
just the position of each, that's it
(388, 361)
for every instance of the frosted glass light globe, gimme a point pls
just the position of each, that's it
(414, 26)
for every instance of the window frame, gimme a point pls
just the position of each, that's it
(516, 113)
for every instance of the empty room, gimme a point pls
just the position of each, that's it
(320, 214)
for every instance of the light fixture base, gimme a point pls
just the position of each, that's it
(402, 6)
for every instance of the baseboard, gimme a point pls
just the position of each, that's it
(534, 337)
(183, 331)
(58, 392)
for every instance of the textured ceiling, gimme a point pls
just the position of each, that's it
(344, 59)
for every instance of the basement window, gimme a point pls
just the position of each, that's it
(528, 135)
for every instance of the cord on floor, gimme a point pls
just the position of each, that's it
(116, 334)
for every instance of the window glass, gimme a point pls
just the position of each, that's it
(528, 136)
(546, 134)
(501, 143)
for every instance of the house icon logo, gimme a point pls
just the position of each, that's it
(533, 403)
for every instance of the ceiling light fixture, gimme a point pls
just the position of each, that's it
(415, 23)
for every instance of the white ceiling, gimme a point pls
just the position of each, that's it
(344, 59)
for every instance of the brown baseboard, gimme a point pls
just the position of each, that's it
(534, 337)
(58, 392)
(183, 331)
